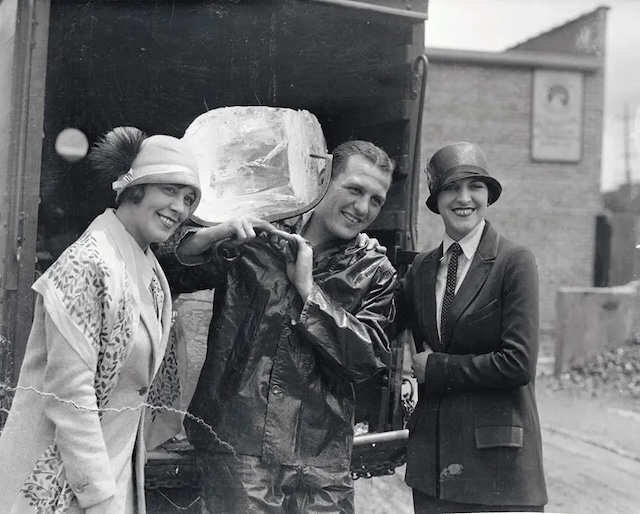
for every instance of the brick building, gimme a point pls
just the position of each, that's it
(488, 98)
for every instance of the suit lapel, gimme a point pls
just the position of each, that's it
(167, 315)
(158, 328)
(477, 275)
(152, 326)
(139, 269)
(428, 272)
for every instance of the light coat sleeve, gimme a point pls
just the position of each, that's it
(513, 363)
(72, 408)
(355, 343)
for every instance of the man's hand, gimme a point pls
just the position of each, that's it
(299, 257)
(370, 243)
(419, 365)
(243, 229)
(237, 232)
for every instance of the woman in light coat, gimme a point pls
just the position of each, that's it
(73, 440)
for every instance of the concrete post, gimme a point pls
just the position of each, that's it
(592, 318)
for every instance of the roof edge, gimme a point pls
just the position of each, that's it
(518, 58)
(562, 26)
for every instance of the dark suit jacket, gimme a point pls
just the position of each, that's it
(475, 434)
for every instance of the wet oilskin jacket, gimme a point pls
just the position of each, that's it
(278, 376)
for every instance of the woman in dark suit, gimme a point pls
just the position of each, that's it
(472, 304)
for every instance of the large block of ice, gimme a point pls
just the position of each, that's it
(258, 160)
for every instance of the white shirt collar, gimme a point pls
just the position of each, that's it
(468, 243)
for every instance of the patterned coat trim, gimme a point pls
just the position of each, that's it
(93, 301)
(90, 301)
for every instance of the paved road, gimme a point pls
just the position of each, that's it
(583, 478)
(591, 451)
(592, 458)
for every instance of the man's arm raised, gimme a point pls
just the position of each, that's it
(354, 342)
(236, 232)
(192, 261)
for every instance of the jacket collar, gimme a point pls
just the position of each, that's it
(427, 274)
(469, 243)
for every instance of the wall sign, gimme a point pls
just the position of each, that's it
(556, 133)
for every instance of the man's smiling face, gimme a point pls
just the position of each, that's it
(353, 200)
(462, 205)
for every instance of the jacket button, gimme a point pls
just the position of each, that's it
(286, 332)
(78, 488)
(276, 389)
(143, 391)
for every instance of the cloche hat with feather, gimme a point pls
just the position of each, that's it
(130, 156)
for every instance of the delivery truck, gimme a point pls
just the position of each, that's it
(91, 65)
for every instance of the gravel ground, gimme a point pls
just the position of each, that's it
(613, 372)
(384, 495)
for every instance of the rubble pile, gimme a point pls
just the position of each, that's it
(614, 370)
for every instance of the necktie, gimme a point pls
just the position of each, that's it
(450, 288)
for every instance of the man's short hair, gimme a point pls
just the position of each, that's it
(372, 153)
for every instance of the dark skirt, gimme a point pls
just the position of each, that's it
(425, 504)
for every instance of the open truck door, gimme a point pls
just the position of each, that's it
(158, 64)
(23, 64)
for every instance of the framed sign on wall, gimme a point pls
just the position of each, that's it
(556, 133)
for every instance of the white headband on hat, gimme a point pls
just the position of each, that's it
(123, 181)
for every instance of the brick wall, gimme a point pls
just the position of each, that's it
(549, 207)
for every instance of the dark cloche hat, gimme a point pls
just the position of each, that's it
(455, 162)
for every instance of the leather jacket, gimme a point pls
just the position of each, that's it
(278, 376)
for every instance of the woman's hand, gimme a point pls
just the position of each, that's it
(419, 365)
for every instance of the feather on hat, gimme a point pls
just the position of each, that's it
(127, 156)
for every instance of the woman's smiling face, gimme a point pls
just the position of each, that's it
(163, 208)
(462, 205)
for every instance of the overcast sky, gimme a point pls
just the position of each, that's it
(494, 25)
